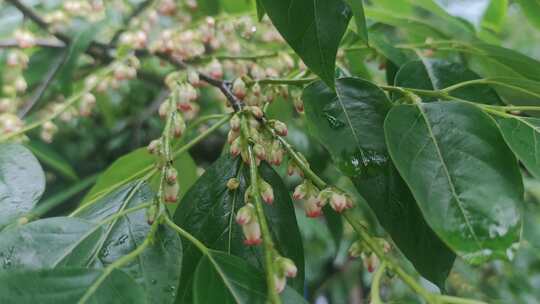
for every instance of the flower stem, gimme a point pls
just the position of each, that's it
(376, 285)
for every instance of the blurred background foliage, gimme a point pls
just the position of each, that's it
(126, 119)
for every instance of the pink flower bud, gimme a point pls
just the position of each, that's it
(276, 153)
(371, 262)
(179, 126)
(298, 105)
(164, 109)
(215, 69)
(256, 111)
(235, 122)
(281, 128)
(300, 192)
(252, 233)
(245, 214)
(286, 266)
(280, 282)
(171, 175)
(193, 78)
(256, 89)
(185, 106)
(356, 249)
(235, 148)
(267, 193)
(260, 153)
(154, 147)
(312, 208)
(338, 202)
(239, 88)
(170, 192)
(232, 135)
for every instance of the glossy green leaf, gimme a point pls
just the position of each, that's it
(127, 233)
(135, 165)
(208, 211)
(230, 279)
(531, 9)
(359, 19)
(48, 156)
(516, 91)
(48, 243)
(350, 125)
(22, 182)
(67, 286)
(463, 176)
(313, 28)
(523, 136)
(436, 74)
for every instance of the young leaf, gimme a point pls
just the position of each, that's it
(436, 74)
(350, 125)
(494, 15)
(531, 9)
(22, 182)
(124, 235)
(463, 176)
(49, 243)
(67, 286)
(522, 134)
(313, 28)
(208, 213)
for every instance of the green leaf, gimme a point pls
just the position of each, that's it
(134, 165)
(350, 125)
(208, 212)
(229, 278)
(494, 15)
(436, 74)
(127, 233)
(260, 9)
(67, 285)
(48, 243)
(313, 28)
(531, 9)
(463, 176)
(516, 91)
(359, 19)
(22, 182)
(47, 155)
(233, 280)
(522, 134)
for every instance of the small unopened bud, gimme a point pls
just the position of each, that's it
(252, 233)
(256, 89)
(232, 135)
(193, 78)
(312, 207)
(267, 193)
(256, 111)
(298, 105)
(279, 282)
(338, 202)
(239, 88)
(259, 151)
(280, 127)
(171, 175)
(47, 131)
(371, 262)
(215, 69)
(236, 148)
(233, 183)
(154, 146)
(245, 214)
(170, 192)
(276, 153)
(164, 109)
(300, 192)
(235, 122)
(20, 84)
(356, 249)
(25, 39)
(151, 214)
(286, 266)
(292, 168)
(179, 126)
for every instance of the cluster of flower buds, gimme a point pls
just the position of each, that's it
(338, 200)
(122, 72)
(134, 40)
(297, 101)
(48, 130)
(17, 59)
(87, 104)
(171, 186)
(285, 268)
(247, 218)
(181, 45)
(307, 192)
(91, 10)
(370, 259)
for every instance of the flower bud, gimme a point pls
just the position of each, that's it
(233, 183)
(298, 105)
(215, 69)
(292, 168)
(256, 111)
(170, 192)
(280, 281)
(300, 192)
(239, 88)
(193, 78)
(20, 84)
(154, 146)
(151, 214)
(356, 249)
(338, 202)
(48, 129)
(259, 151)
(276, 153)
(232, 135)
(267, 193)
(312, 207)
(235, 122)
(245, 214)
(252, 233)
(171, 175)
(164, 109)
(256, 89)
(286, 266)
(179, 126)
(184, 106)
(24, 39)
(236, 148)
(280, 127)
(371, 262)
